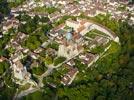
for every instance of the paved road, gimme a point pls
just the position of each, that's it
(48, 72)
(26, 92)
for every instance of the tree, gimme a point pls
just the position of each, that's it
(23, 17)
(36, 19)
(28, 27)
(16, 3)
(44, 19)
(46, 28)
(54, 45)
(4, 7)
(34, 96)
(48, 60)
(51, 9)
(3, 66)
(32, 42)
(38, 70)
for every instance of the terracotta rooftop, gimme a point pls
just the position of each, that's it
(72, 72)
(72, 21)
(81, 28)
(82, 22)
(58, 27)
(67, 78)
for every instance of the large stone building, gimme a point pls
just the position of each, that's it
(71, 43)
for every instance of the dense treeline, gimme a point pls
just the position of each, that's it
(4, 9)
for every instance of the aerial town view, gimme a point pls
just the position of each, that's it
(66, 49)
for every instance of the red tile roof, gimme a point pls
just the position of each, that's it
(81, 28)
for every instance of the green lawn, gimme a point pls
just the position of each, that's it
(90, 34)
(59, 60)
(114, 48)
(98, 32)
(38, 70)
(98, 49)
(53, 45)
(24, 87)
(94, 33)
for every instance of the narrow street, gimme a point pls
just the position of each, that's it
(26, 92)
